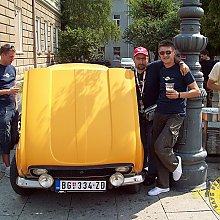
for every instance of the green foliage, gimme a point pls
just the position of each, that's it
(86, 25)
(211, 22)
(92, 14)
(78, 45)
(153, 21)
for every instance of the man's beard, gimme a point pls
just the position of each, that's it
(141, 67)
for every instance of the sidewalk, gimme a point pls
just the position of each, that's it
(112, 205)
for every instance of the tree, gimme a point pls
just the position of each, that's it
(78, 45)
(86, 25)
(153, 21)
(211, 22)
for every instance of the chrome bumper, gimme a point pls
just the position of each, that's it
(133, 180)
(24, 183)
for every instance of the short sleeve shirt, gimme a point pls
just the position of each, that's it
(173, 75)
(215, 76)
(7, 80)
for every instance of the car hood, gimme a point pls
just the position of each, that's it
(79, 114)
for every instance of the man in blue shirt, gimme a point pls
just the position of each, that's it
(169, 116)
(8, 103)
(147, 78)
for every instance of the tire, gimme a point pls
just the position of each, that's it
(13, 178)
(132, 189)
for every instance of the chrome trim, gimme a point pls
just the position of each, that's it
(24, 183)
(133, 180)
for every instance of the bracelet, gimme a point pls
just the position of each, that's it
(179, 95)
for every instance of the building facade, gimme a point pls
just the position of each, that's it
(114, 51)
(32, 26)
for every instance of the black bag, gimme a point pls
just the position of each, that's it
(14, 130)
(149, 112)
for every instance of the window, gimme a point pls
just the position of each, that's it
(38, 40)
(57, 38)
(117, 19)
(18, 30)
(51, 39)
(45, 36)
(116, 53)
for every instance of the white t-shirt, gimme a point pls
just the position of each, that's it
(215, 76)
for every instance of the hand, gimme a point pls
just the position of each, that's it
(184, 69)
(203, 93)
(172, 94)
(13, 90)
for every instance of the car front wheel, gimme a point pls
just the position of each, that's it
(13, 178)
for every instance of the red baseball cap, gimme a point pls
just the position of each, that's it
(140, 50)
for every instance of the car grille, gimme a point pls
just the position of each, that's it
(81, 172)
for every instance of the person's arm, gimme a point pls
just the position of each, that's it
(16, 102)
(11, 91)
(212, 85)
(214, 77)
(184, 68)
(194, 91)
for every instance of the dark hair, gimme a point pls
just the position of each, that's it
(6, 48)
(166, 43)
(204, 52)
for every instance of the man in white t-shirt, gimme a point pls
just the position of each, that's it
(214, 84)
(214, 79)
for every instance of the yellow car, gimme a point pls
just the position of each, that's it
(79, 130)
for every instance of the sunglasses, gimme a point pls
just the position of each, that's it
(168, 52)
(8, 46)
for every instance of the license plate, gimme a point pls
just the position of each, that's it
(73, 185)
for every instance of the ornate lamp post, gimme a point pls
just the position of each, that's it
(190, 42)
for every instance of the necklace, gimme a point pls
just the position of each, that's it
(140, 83)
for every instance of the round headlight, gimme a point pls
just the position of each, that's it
(116, 179)
(122, 169)
(46, 180)
(39, 171)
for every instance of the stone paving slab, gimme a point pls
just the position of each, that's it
(11, 204)
(94, 206)
(213, 173)
(201, 215)
(5, 217)
(139, 206)
(46, 205)
(182, 202)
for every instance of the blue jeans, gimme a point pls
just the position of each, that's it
(6, 115)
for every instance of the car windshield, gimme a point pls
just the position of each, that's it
(127, 60)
